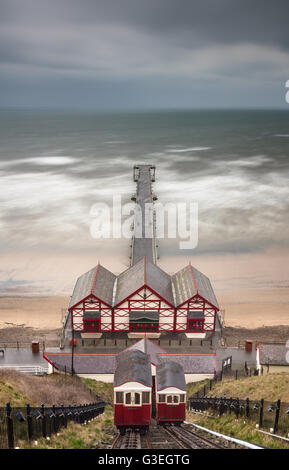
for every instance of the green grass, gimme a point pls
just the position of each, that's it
(240, 429)
(94, 435)
(270, 387)
(102, 389)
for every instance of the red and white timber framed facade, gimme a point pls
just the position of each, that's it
(144, 300)
(204, 318)
(100, 316)
(117, 318)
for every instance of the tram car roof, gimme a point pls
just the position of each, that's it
(170, 374)
(133, 366)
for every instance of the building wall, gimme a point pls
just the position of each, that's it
(197, 377)
(198, 305)
(275, 369)
(89, 305)
(139, 301)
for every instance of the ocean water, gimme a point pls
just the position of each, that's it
(55, 165)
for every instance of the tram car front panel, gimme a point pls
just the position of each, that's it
(170, 393)
(132, 391)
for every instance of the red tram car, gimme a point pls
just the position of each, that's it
(170, 393)
(132, 391)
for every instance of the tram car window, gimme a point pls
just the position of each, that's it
(132, 391)
(170, 393)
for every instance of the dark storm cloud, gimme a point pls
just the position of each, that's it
(143, 53)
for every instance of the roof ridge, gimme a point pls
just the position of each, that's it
(194, 281)
(94, 280)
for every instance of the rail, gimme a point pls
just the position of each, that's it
(32, 370)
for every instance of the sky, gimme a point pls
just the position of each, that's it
(130, 54)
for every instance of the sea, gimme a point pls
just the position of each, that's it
(56, 164)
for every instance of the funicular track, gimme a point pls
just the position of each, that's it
(187, 439)
(165, 437)
(132, 439)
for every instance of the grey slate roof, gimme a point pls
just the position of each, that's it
(274, 354)
(170, 374)
(133, 366)
(144, 272)
(188, 282)
(84, 363)
(149, 348)
(99, 281)
(192, 363)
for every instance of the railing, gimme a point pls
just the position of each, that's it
(273, 416)
(19, 425)
(33, 370)
(19, 345)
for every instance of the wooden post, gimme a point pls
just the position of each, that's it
(261, 413)
(44, 434)
(10, 431)
(236, 374)
(29, 422)
(237, 408)
(277, 416)
(247, 407)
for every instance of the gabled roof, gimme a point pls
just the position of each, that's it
(144, 273)
(148, 347)
(99, 282)
(170, 374)
(133, 366)
(189, 282)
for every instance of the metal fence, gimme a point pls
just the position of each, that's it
(22, 424)
(272, 416)
(227, 374)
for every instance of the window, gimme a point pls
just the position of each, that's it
(182, 398)
(128, 398)
(137, 398)
(176, 399)
(169, 399)
(144, 327)
(162, 398)
(91, 325)
(119, 397)
(195, 325)
(146, 397)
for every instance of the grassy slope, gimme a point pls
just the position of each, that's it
(270, 387)
(19, 389)
(97, 434)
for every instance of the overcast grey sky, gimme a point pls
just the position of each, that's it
(105, 54)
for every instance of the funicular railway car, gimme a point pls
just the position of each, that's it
(170, 393)
(132, 391)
